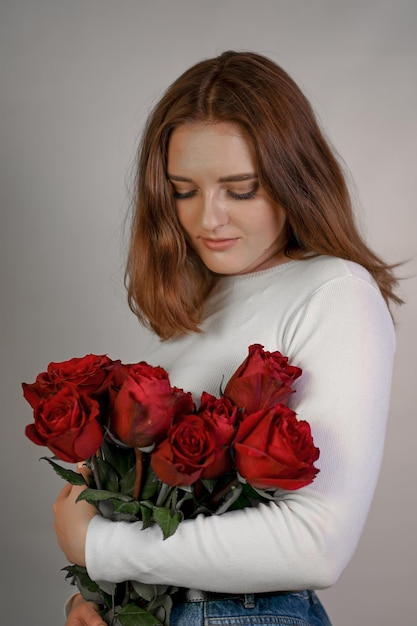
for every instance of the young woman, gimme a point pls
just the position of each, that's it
(243, 233)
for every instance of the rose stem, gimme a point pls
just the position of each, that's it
(165, 489)
(138, 475)
(223, 492)
(96, 471)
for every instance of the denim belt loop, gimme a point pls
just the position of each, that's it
(249, 601)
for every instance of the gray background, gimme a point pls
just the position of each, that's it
(77, 80)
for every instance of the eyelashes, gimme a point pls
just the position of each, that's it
(183, 196)
(249, 195)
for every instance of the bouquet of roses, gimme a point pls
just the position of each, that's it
(156, 457)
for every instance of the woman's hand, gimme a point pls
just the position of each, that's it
(83, 613)
(71, 523)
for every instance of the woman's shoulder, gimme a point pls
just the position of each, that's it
(328, 268)
(303, 278)
(337, 298)
(333, 277)
(291, 284)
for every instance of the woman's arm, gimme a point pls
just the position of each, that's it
(343, 340)
(71, 522)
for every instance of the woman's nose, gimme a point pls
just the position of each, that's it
(213, 213)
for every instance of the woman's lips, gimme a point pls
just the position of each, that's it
(219, 244)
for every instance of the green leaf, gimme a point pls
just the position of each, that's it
(161, 607)
(80, 573)
(88, 588)
(92, 596)
(75, 478)
(146, 514)
(108, 588)
(97, 495)
(145, 591)
(117, 509)
(77, 571)
(132, 615)
(167, 520)
(132, 508)
(120, 458)
(127, 480)
(108, 476)
(106, 509)
(150, 486)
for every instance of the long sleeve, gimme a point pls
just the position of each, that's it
(341, 335)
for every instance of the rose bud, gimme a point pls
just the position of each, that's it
(263, 380)
(222, 416)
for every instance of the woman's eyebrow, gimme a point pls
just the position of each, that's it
(180, 179)
(234, 178)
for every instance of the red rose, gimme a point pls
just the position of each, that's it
(145, 405)
(263, 380)
(119, 374)
(274, 449)
(67, 423)
(222, 415)
(189, 452)
(90, 374)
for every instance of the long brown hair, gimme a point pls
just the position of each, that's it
(167, 283)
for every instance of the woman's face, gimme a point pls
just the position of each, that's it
(229, 220)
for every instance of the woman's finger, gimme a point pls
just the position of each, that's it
(65, 492)
(83, 469)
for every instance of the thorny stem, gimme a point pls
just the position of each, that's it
(139, 472)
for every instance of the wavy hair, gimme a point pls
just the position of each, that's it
(167, 283)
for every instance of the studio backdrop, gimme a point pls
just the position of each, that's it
(77, 80)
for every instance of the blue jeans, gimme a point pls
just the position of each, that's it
(301, 608)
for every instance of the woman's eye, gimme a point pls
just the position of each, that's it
(177, 195)
(249, 195)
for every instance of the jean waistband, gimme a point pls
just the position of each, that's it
(197, 595)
